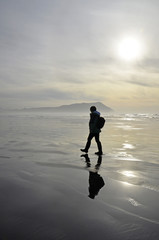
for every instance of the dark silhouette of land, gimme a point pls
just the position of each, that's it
(76, 107)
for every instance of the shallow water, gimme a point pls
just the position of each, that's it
(44, 181)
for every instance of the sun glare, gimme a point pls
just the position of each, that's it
(128, 173)
(129, 49)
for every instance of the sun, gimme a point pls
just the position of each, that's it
(130, 49)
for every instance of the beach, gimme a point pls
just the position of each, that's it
(45, 182)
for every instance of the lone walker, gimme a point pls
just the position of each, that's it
(94, 131)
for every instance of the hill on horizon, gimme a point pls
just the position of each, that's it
(75, 107)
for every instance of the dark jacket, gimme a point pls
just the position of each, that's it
(93, 122)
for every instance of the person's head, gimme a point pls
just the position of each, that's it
(93, 108)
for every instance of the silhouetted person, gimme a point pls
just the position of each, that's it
(96, 182)
(94, 131)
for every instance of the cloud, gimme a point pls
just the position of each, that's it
(150, 65)
(45, 95)
(144, 79)
(37, 94)
(144, 84)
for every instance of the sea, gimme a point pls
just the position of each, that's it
(44, 177)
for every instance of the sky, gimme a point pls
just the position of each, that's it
(56, 52)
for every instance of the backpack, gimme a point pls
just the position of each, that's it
(100, 123)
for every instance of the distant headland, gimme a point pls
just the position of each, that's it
(76, 107)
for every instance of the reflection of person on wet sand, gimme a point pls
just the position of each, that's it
(96, 182)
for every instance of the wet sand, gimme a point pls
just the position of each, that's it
(45, 182)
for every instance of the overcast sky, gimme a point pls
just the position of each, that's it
(55, 52)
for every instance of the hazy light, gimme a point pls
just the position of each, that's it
(128, 173)
(129, 49)
(128, 146)
(127, 184)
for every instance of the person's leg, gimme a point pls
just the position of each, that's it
(99, 161)
(98, 143)
(89, 139)
(88, 144)
(87, 159)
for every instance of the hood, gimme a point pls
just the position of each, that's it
(96, 112)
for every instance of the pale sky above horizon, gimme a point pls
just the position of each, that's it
(56, 52)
